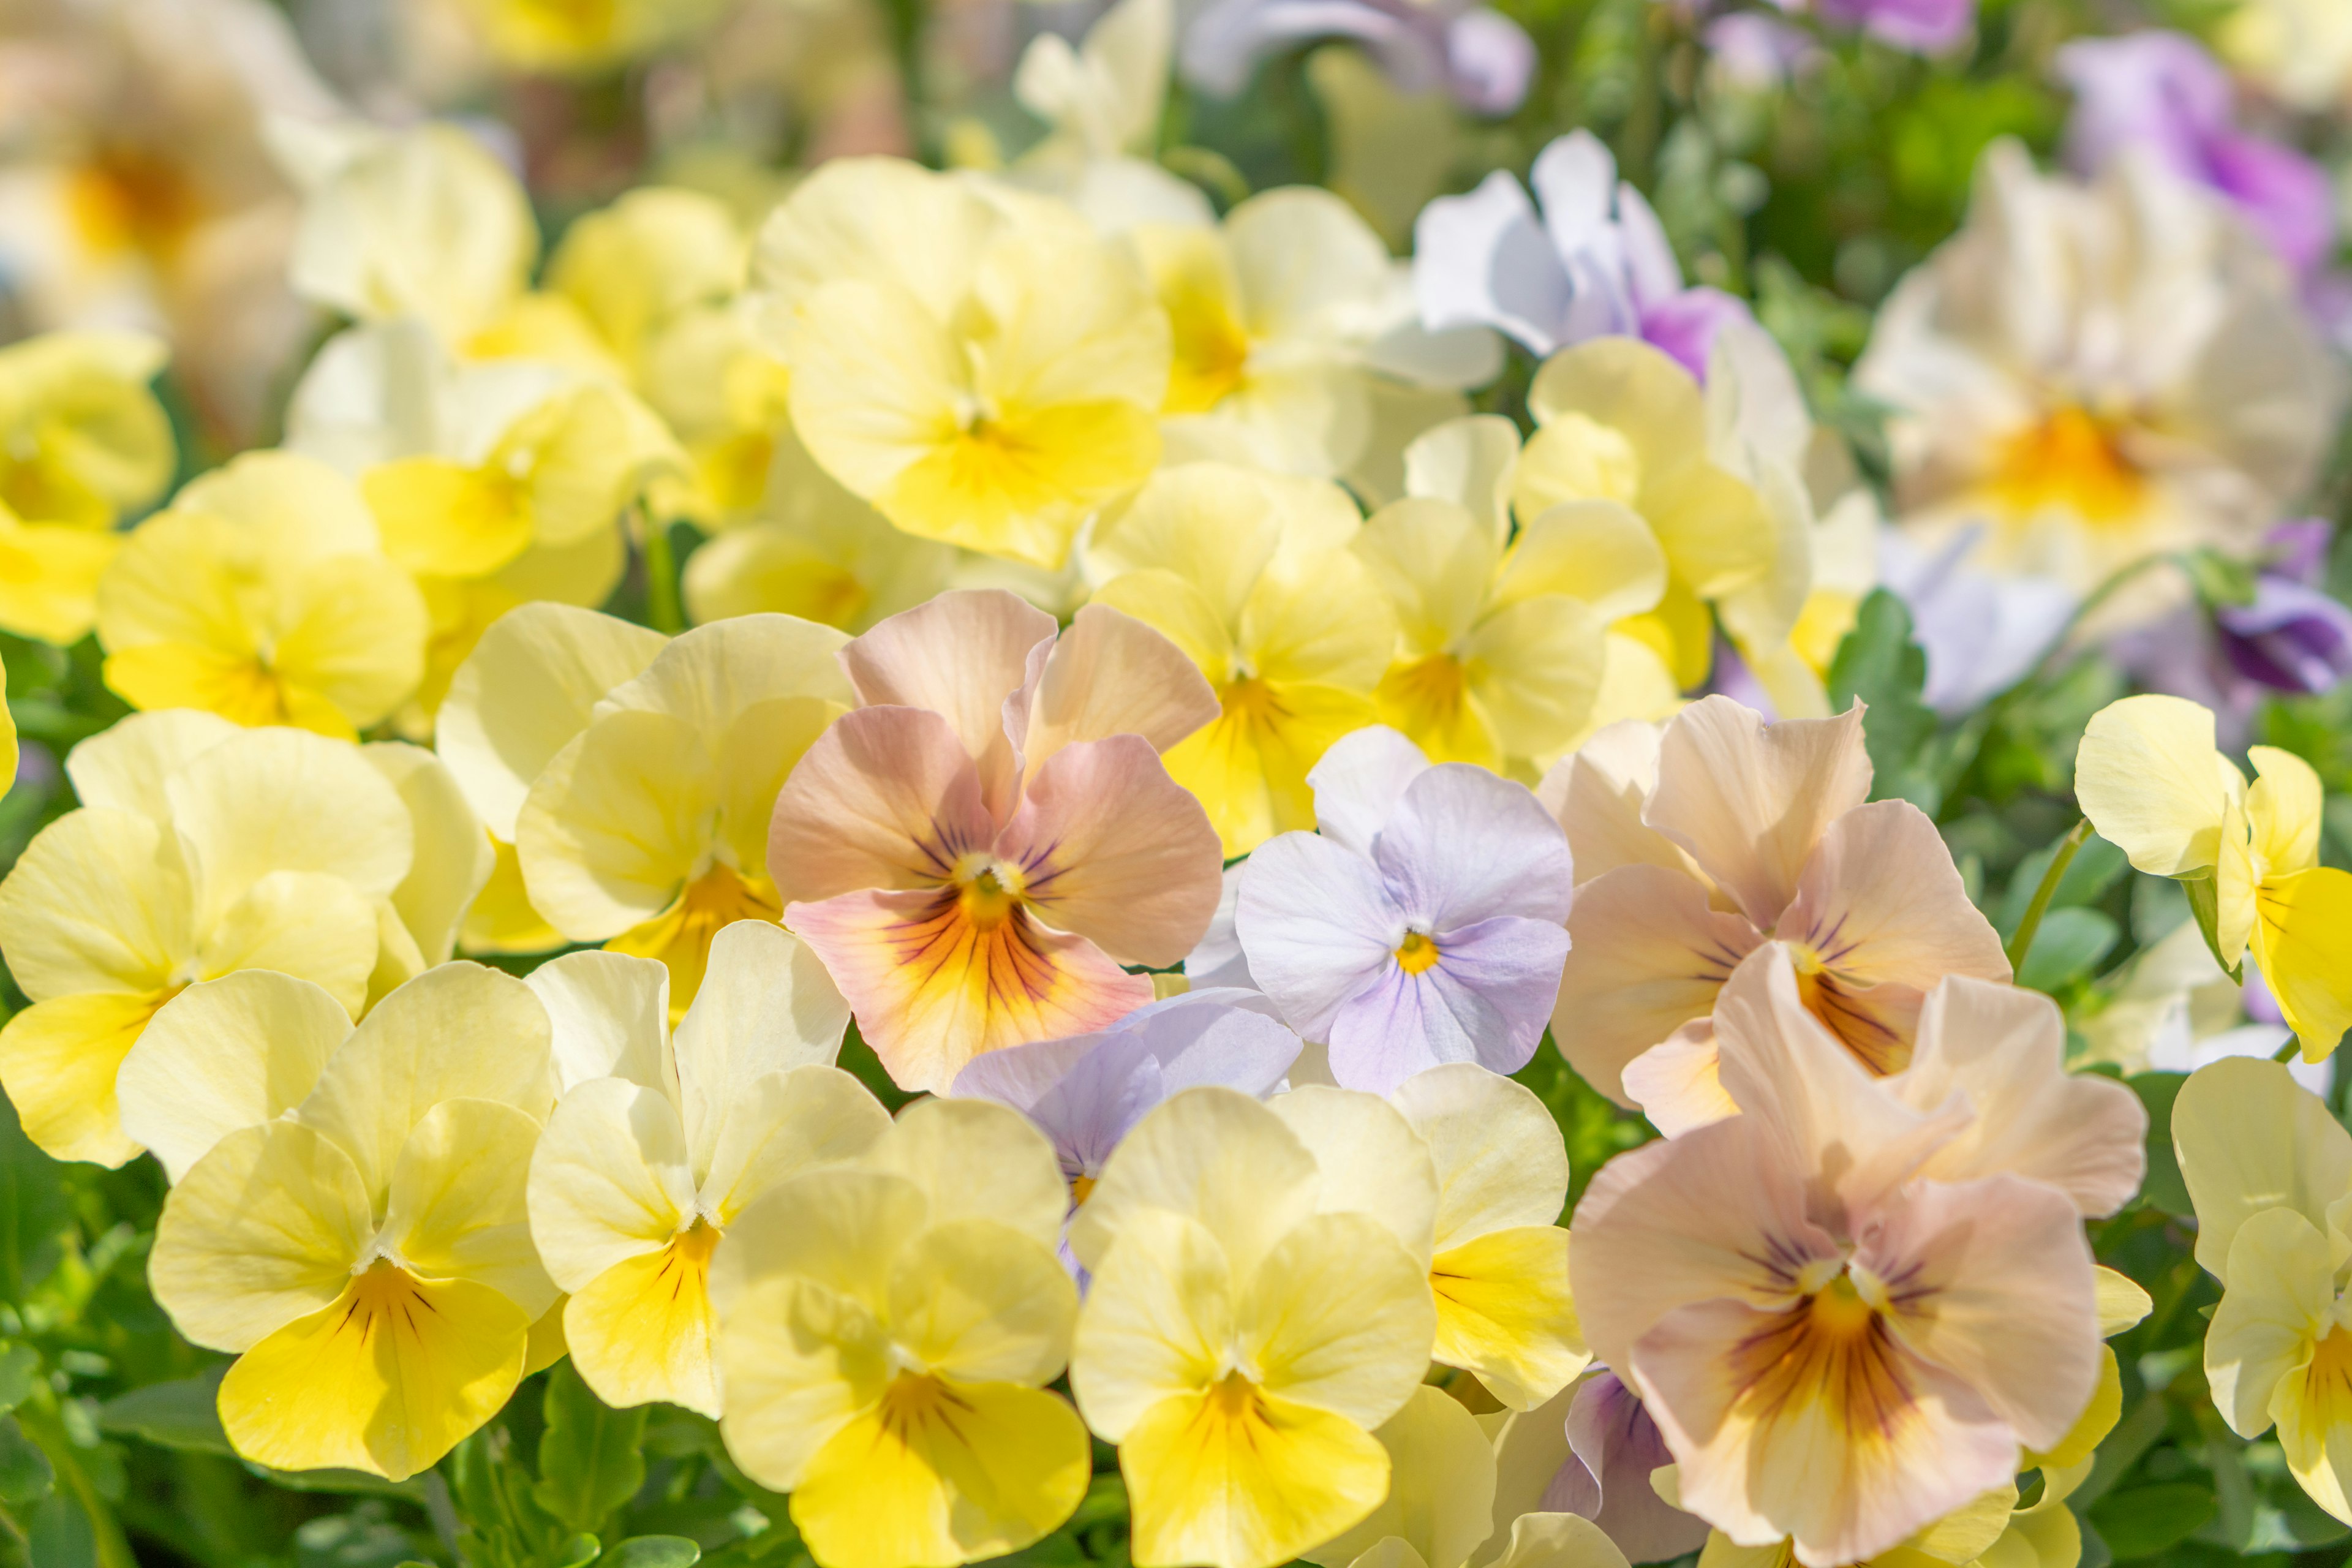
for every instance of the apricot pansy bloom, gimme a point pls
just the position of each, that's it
(1423, 924)
(1697, 844)
(1837, 1282)
(977, 848)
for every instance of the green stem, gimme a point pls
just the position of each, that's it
(2030, 926)
(662, 607)
(41, 1423)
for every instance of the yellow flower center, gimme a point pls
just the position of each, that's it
(2327, 1381)
(1416, 954)
(2074, 460)
(1860, 1030)
(127, 199)
(1233, 1396)
(1831, 1353)
(989, 894)
(1211, 350)
(680, 935)
(1081, 1189)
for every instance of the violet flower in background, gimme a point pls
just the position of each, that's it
(1593, 263)
(1919, 26)
(1981, 631)
(1480, 56)
(2160, 92)
(1750, 51)
(1424, 923)
(1614, 1446)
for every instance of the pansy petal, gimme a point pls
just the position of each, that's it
(975, 1160)
(608, 1180)
(783, 1123)
(1211, 1155)
(1648, 956)
(886, 798)
(1465, 846)
(608, 1016)
(230, 1053)
(2152, 784)
(1317, 926)
(2305, 1164)
(1498, 1154)
(1368, 1161)
(981, 1302)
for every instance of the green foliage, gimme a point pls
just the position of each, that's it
(588, 1459)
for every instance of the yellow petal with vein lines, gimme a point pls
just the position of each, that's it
(1020, 486)
(1504, 1312)
(2303, 943)
(643, 1330)
(1234, 1479)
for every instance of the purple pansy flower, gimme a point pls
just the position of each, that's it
(1919, 26)
(1424, 923)
(1476, 54)
(2161, 94)
(1614, 1446)
(1594, 263)
(2294, 636)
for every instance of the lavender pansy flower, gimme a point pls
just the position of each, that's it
(1593, 263)
(1614, 1446)
(1480, 56)
(1086, 1090)
(1425, 922)
(2294, 636)
(2160, 92)
(1981, 631)
(1920, 27)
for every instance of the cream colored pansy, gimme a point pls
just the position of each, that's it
(2301, 50)
(48, 578)
(984, 371)
(1502, 650)
(658, 1143)
(886, 1331)
(1103, 101)
(1617, 420)
(2270, 1170)
(2095, 373)
(1251, 575)
(2152, 783)
(1248, 1324)
(201, 848)
(262, 596)
(636, 267)
(82, 439)
(367, 1256)
(636, 776)
(1289, 319)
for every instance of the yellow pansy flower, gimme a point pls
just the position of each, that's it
(262, 596)
(82, 439)
(983, 369)
(1248, 1323)
(566, 36)
(7, 738)
(636, 776)
(2153, 785)
(658, 1143)
(367, 1258)
(636, 267)
(1251, 575)
(48, 578)
(886, 1330)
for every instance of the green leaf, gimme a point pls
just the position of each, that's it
(1878, 663)
(20, 1368)
(35, 1207)
(579, 1552)
(2164, 1187)
(2220, 581)
(25, 1476)
(2144, 1520)
(589, 1458)
(2069, 943)
(184, 1415)
(59, 1534)
(653, 1551)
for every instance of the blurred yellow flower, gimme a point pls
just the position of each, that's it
(82, 439)
(986, 370)
(49, 574)
(885, 1332)
(568, 36)
(367, 1258)
(262, 596)
(1251, 575)
(659, 1144)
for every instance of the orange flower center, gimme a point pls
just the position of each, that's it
(2073, 461)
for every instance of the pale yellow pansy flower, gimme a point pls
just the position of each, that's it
(82, 439)
(1617, 420)
(1102, 101)
(201, 848)
(983, 368)
(886, 1329)
(7, 739)
(633, 269)
(1503, 646)
(367, 1258)
(564, 37)
(2300, 50)
(262, 596)
(658, 1143)
(2152, 783)
(1251, 575)
(635, 777)
(1248, 1325)
(48, 578)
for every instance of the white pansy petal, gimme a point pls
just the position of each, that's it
(974, 1159)
(779, 1124)
(286, 800)
(453, 856)
(97, 903)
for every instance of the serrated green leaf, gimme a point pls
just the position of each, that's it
(184, 1415)
(653, 1551)
(590, 1461)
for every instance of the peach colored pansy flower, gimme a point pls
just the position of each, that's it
(977, 849)
(1699, 843)
(1848, 1314)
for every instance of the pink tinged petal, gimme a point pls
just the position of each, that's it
(1750, 800)
(1112, 848)
(1617, 1445)
(1110, 675)
(1359, 782)
(1715, 1213)
(1647, 956)
(960, 655)
(1597, 795)
(1318, 927)
(887, 798)
(1880, 900)
(1483, 1000)
(1993, 1281)
(1464, 844)
(1778, 1435)
(931, 989)
(1679, 1083)
(2005, 1049)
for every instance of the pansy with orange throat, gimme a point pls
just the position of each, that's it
(977, 849)
(1698, 843)
(1852, 1310)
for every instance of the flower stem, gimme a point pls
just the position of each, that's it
(2030, 926)
(662, 607)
